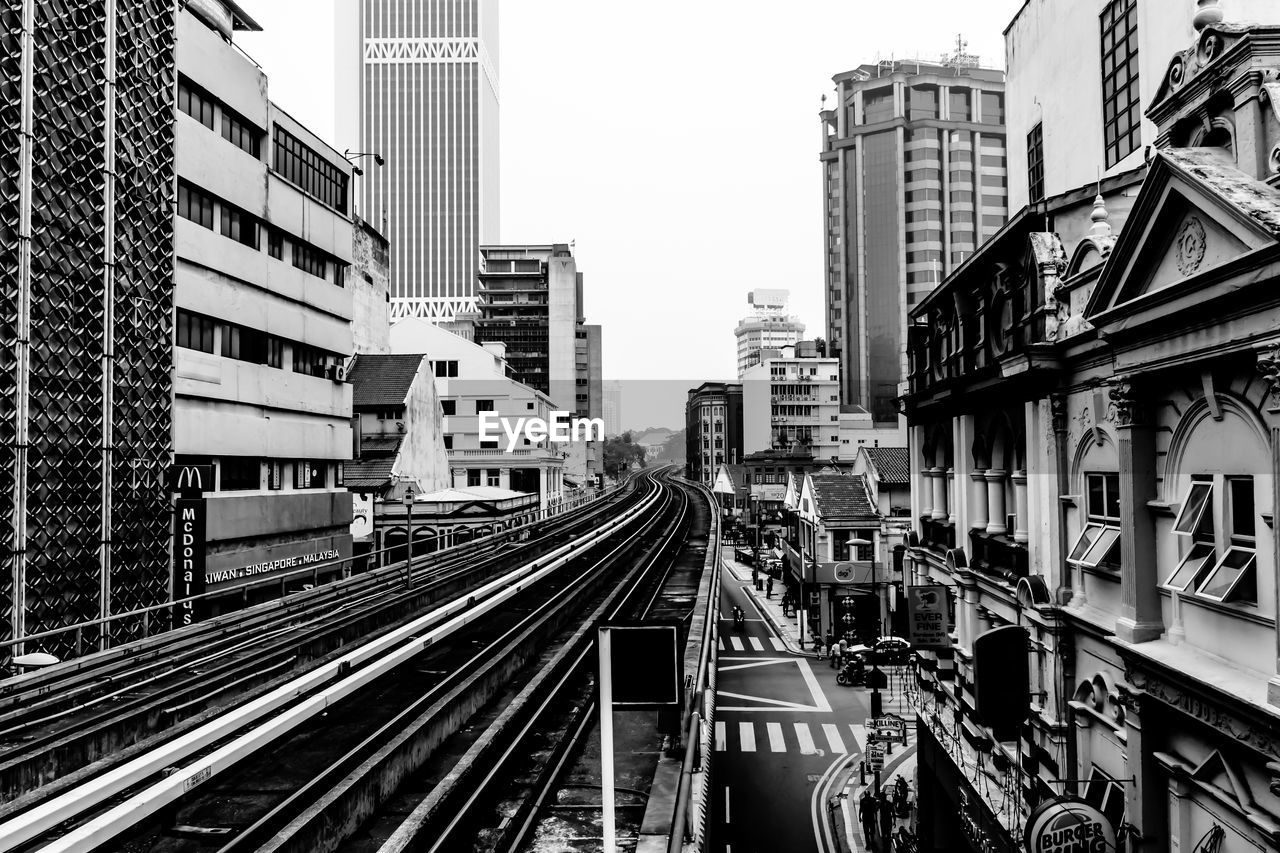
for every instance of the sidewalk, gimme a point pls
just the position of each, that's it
(902, 762)
(770, 607)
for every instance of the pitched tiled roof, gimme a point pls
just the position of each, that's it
(382, 380)
(737, 473)
(892, 464)
(842, 497)
(368, 475)
(373, 446)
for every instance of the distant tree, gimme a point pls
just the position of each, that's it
(620, 454)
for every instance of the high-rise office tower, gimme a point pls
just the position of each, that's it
(86, 309)
(915, 177)
(417, 90)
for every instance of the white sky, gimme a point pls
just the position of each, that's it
(675, 141)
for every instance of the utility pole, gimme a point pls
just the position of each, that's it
(408, 499)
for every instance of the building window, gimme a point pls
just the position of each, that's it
(275, 475)
(195, 205)
(992, 108)
(448, 442)
(275, 352)
(275, 243)
(1035, 163)
(304, 168)
(473, 476)
(309, 474)
(1221, 562)
(239, 473)
(309, 360)
(1098, 545)
(390, 413)
(195, 102)
(493, 477)
(239, 226)
(308, 259)
(960, 103)
(244, 344)
(240, 133)
(484, 406)
(449, 407)
(194, 331)
(446, 369)
(1106, 795)
(1121, 116)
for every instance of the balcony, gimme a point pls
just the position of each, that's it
(936, 535)
(999, 556)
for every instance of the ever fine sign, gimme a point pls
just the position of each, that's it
(1069, 826)
(927, 619)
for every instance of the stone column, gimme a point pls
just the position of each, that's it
(1020, 506)
(504, 478)
(1140, 617)
(926, 492)
(1147, 798)
(995, 501)
(978, 500)
(951, 495)
(939, 512)
(1269, 367)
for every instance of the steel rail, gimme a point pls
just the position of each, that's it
(373, 658)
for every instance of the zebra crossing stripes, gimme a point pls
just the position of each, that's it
(746, 737)
(802, 737)
(778, 645)
(756, 644)
(805, 739)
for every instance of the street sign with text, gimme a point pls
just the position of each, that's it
(875, 757)
(928, 622)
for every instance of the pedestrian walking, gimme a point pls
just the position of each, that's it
(768, 587)
(867, 811)
(886, 817)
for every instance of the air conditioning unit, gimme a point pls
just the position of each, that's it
(336, 372)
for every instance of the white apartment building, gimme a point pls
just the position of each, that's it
(263, 239)
(792, 402)
(470, 380)
(768, 327)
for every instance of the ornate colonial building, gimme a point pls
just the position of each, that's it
(1094, 400)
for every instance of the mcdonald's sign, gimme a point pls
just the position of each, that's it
(189, 542)
(191, 481)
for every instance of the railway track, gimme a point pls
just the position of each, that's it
(58, 726)
(264, 775)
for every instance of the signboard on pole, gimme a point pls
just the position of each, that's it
(928, 623)
(1068, 824)
(646, 664)
(881, 729)
(190, 482)
(875, 757)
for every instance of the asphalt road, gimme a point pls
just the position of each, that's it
(784, 728)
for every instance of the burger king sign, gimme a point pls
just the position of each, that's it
(1069, 826)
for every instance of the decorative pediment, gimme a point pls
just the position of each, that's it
(1212, 42)
(1195, 212)
(1217, 772)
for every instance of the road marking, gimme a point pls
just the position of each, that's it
(805, 738)
(776, 742)
(820, 704)
(737, 644)
(722, 736)
(778, 645)
(747, 736)
(859, 736)
(756, 644)
(726, 803)
(832, 731)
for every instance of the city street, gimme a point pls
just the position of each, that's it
(785, 735)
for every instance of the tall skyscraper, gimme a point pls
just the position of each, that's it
(768, 327)
(86, 308)
(915, 177)
(417, 86)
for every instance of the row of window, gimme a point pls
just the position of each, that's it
(1218, 519)
(199, 332)
(209, 111)
(301, 166)
(205, 210)
(251, 473)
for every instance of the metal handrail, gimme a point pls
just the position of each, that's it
(283, 577)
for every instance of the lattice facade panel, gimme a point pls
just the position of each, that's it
(98, 383)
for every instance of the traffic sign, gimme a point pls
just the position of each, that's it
(875, 757)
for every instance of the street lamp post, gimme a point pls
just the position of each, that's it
(408, 499)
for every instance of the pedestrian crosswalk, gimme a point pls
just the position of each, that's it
(734, 643)
(799, 737)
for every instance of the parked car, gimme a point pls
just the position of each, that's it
(890, 651)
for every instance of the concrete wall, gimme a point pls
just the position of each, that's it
(422, 456)
(369, 281)
(562, 323)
